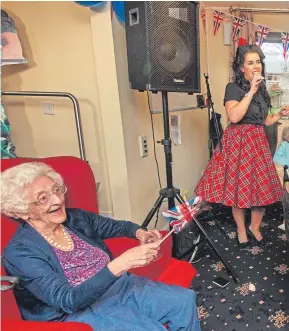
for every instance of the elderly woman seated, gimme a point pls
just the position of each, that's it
(67, 273)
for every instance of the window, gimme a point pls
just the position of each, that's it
(277, 71)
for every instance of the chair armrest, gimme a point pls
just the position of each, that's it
(179, 273)
(8, 279)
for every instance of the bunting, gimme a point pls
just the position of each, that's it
(218, 19)
(238, 24)
(285, 43)
(203, 18)
(262, 33)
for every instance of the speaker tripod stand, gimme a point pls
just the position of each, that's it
(171, 193)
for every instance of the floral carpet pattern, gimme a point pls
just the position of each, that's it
(261, 300)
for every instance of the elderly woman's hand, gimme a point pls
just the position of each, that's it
(143, 236)
(135, 257)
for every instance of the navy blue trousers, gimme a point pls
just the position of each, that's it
(135, 303)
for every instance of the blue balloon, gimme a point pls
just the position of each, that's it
(118, 7)
(89, 3)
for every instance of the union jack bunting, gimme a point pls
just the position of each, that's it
(262, 33)
(218, 19)
(181, 215)
(203, 18)
(285, 43)
(238, 24)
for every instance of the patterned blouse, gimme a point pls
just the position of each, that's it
(82, 262)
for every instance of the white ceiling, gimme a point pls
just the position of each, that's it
(249, 4)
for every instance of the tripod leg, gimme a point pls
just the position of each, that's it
(220, 228)
(225, 262)
(153, 211)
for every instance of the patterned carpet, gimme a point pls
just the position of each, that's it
(240, 307)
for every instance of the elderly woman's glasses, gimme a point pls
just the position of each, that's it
(44, 198)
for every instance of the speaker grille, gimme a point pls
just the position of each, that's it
(171, 51)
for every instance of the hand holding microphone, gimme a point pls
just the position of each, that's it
(256, 81)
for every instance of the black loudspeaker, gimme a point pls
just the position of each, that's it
(163, 45)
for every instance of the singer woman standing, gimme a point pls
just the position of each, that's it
(242, 174)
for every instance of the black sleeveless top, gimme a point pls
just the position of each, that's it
(257, 110)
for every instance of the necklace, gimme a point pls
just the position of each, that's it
(53, 243)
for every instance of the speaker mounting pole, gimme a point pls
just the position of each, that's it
(167, 143)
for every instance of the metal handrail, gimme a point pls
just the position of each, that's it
(62, 95)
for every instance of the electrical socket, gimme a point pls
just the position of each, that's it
(143, 146)
(48, 108)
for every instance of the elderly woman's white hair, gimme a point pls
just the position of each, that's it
(14, 182)
(285, 134)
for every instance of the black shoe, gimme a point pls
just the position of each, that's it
(243, 246)
(261, 243)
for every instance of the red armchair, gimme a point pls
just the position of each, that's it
(82, 194)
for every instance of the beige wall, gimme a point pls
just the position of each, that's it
(275, 21)
(75, 54)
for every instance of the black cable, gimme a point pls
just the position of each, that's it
(154, 140)
(155, 154)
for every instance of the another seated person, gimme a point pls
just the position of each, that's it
(281, 156)
(67, 273)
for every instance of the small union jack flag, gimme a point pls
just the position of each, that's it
(203, 18)
(262, 33)
(218, 19)
(238, 24)
(285, 43)
(180, 215)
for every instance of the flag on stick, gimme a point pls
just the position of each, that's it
(181, 215)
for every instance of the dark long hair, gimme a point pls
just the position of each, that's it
(240, 79)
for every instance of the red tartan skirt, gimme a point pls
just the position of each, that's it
(243, 174)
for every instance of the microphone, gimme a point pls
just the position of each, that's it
(262, 81)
